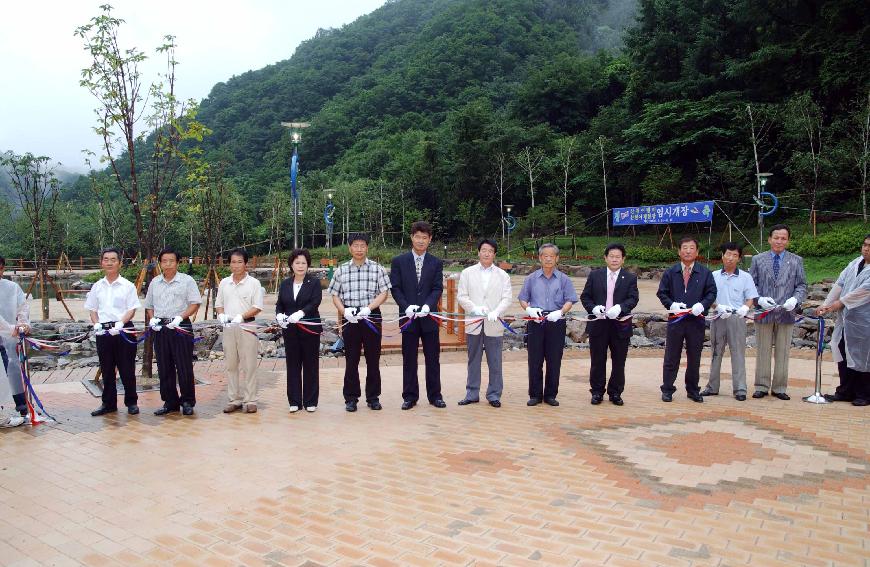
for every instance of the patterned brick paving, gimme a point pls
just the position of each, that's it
(763, 482)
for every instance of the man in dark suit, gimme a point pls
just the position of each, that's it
(416, 277)
(609, 294)
(687, 290)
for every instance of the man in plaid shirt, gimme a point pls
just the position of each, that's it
(358, 289)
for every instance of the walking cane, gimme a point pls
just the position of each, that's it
(817, 397)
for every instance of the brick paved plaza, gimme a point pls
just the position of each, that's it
(763, 482)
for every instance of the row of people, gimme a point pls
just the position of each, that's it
(359, 287)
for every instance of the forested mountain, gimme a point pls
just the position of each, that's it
(449, 109)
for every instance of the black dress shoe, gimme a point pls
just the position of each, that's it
(708, 392)
(861, 402)
(408, 404)
(133, 410)
(350, 406)
(103, 410)
(187, 409)
(696, 398)
(439, 404)
(597, 399)
(758, 394)
(835, 397)
(740, 397)
(465, 402)
(375, 405)
(164, 410)
(666, 397)
(617, 401)
(781, 396)
(533, 401)
(495, 403)
(551, 402)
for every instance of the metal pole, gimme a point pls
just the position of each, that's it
(817, 397)
(296, 221)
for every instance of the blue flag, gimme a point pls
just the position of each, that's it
(294, 171)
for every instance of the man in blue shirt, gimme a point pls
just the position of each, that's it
(735, 294)
(687, 290)
(547, 295)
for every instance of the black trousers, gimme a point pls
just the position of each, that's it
(356, 337)
(607, 337)
(546, 342)
(691, 332)
(853, 384)
(411, 337)
(175, 364)
(117, 354)
(302, 352)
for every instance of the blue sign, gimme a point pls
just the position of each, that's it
(294, 171)
(701, 211)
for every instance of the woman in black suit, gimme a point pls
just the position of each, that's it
(298, 300)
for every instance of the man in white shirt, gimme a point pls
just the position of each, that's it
(112, 302)
(239, 300)
(484, 291)
(15, 312)
(735, 295)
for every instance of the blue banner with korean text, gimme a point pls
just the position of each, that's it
(702, 211)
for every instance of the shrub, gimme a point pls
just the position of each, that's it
(844, 239)
(651, 254)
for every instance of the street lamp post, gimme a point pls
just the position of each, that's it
(507, 220)
(295, 138)
(761, 182)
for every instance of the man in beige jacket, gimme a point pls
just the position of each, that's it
(484, 291)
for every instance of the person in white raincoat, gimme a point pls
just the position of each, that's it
(850, 343)
(9, 417)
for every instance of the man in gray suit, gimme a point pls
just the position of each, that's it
(782, 286)
(484, 291)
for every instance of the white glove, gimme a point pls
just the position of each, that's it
(554, 316)
(697, 309)
(492, 316)
(677, 307)
(766, 302)
(790, 304)
(724, 311)
(614, 311)
(282, 320)
(534, 312)
(237, 319)
(411, 310)
(364, 312)
(742, 310)
(598, 310)
(223, 318)
(296, 317)
(479, 310)
(424, 311)
(176, 321)
(154, 323)
(350, 315)
(116, 330)
(98, 330)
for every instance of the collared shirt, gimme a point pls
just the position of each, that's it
(239, 298)
(486, 274)
(111, 301)
(357, 286)
(734, 289)
(171, 298)
(550, 293)
(13, 303)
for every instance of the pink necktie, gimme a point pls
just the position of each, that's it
(611, 284)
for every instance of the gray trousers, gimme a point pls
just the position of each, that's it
(476, 345)
(730, 332)
(13, 366)
(776, 336)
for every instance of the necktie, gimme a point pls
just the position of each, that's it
(611, 284)
(687, 272)
(776, 267)
(860, 267)
(419, 263)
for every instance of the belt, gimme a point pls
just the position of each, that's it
(249, 319)
(168, 320)
(108, 325)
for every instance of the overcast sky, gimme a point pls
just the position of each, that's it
(43, 109)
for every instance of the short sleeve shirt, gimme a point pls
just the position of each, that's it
(238, 298)
(112, 300)
(734, 289)
(357, 286)
(550, 293)
(171, 298)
